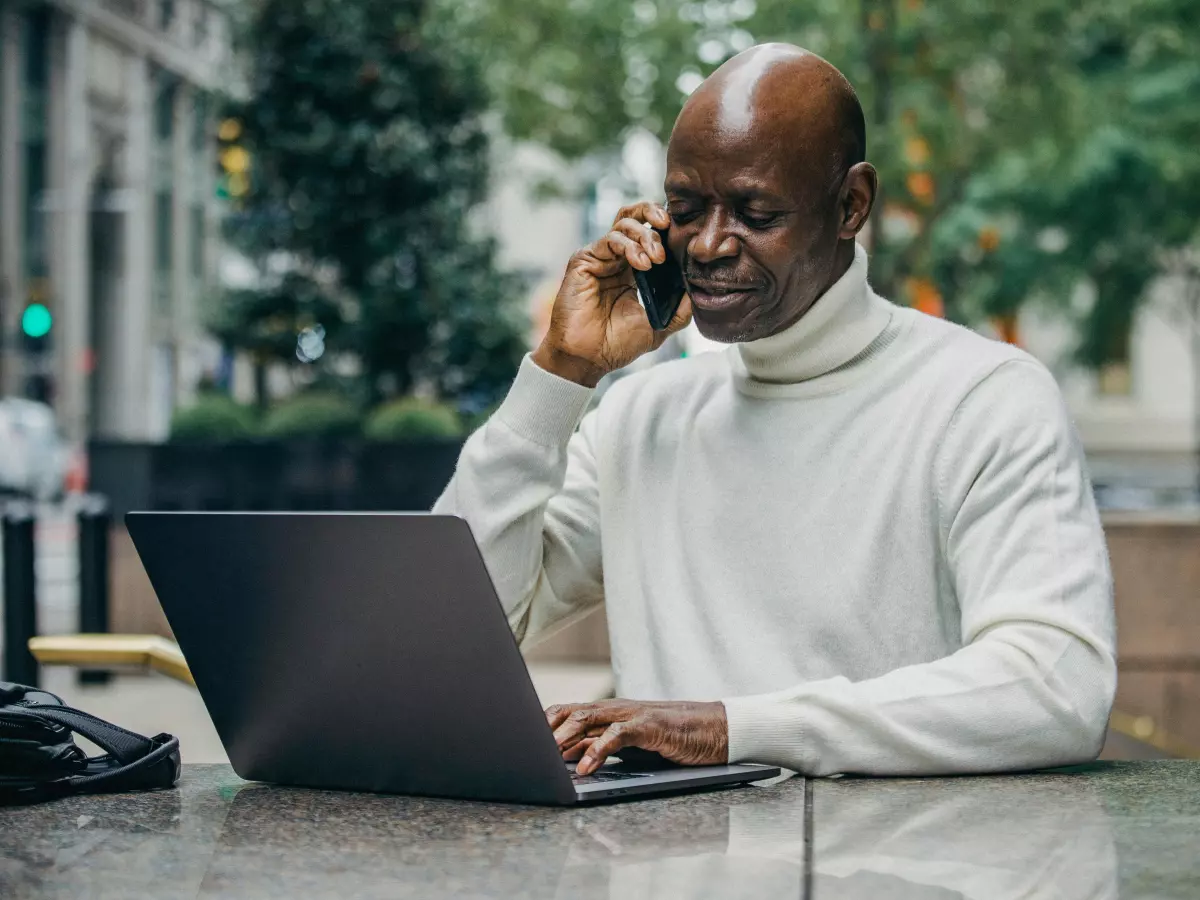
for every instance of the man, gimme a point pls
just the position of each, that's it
(860, 539)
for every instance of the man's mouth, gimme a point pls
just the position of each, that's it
(717, 295)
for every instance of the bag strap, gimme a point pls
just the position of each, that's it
(125, 746)
(159, 768)
(134, 762)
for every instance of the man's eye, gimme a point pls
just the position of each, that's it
(682, 216)
(759, 220)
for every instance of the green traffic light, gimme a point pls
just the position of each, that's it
(36, 320)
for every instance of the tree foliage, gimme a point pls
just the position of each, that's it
(369, 152)
(1023, 147)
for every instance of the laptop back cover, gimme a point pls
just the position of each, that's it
(361, 651)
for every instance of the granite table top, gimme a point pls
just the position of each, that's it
(1112, 829)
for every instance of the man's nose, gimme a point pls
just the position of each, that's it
(714, 240)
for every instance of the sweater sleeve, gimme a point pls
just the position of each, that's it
(526, 485)
(1033, 683)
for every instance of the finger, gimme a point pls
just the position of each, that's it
(683, 315)
(573, 753)
(647, 237)
(645, 211)
(657, 216)
(616, 736)
(589, 735)
(599, 261)
(679, 321)
(578, 723)
(622, 244)
(557, 714)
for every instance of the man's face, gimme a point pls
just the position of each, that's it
(754, 224)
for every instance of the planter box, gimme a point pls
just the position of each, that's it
(272, 475)
(1156, 569)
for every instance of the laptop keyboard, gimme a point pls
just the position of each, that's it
(598, 777)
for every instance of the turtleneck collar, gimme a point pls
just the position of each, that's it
(839, 326)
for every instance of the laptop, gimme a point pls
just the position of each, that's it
(369, 652)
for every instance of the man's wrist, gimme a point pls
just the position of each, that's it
(721, 720)
(566, 366)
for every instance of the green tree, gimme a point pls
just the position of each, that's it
(948, 88)
(368, 153)
(1013, 140)
(1111, 207)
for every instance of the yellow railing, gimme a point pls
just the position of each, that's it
(104, 651)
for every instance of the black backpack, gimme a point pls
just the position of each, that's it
(39, 759)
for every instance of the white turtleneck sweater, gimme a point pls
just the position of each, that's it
(871, 535)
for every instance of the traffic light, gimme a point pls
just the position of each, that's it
(37, 322)
(234, 161)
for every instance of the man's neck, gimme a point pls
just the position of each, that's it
(843, 258)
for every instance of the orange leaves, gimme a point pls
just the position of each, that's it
(921, 186)
(989, 239)
(924, 296)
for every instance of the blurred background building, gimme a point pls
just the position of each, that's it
(108, 232)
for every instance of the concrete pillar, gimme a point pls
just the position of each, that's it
(69, 272)
(133, 356)
(12, 245)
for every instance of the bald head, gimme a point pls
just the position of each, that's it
(786, 95)
(767, 189)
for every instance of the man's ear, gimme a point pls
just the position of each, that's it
(858, 196)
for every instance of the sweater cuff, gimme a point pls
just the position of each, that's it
(542, 407)
(764, 729)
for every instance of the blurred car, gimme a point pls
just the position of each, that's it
(33, 456)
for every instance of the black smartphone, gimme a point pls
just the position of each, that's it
(661, 287)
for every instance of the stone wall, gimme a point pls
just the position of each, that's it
(1156, 568)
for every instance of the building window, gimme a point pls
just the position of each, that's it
(164, 107)
(199, 239)
(200, 125)
(35, 40)
(164, 186)
(36, 263)
(202, 184)
(162, 234)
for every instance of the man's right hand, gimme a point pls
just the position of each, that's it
(598, 324)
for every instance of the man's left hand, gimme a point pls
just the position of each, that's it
(686, 732)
